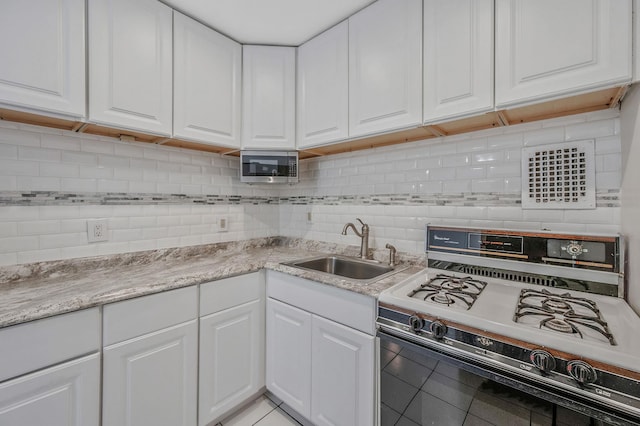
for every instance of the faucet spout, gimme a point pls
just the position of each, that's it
(352, 226)
(363, 234)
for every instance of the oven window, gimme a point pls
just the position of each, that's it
(418, 389)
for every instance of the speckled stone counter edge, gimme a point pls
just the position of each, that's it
(38, 290)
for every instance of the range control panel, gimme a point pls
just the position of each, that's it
(600, 253)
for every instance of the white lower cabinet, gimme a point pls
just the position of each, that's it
(150, 377)
(289, 355)
(323, 369)
(231, 344)
(65, 395)
(342, 374)
(151, 380)
(50, 371)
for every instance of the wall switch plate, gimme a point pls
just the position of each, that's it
(97, 230)
(309, 217)
(223, 224)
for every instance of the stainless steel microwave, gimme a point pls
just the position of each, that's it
(269, 167)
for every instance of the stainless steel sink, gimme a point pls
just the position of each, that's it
(346, 267)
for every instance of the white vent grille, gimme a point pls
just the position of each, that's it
(560, 176)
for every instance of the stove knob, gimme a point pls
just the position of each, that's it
(582, 372)
(416, 323)
(543, 360)
(438, 329)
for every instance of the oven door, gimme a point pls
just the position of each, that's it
(426, 386)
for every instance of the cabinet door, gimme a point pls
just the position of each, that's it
(43, 55)
(268, 97)
(152, 380)
(65, 395)
(289, 355)
(458, 58)
(207, 72)
(550, 48)
(323, 87)
(385, 67)
(343, 371)
(231, 359)
(130, 65)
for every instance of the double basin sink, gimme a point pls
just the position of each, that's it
(357, 269)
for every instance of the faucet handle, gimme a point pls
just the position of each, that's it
(361, 222)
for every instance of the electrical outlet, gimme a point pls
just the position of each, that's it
(309, 220)
(223, 224)
(97, 230)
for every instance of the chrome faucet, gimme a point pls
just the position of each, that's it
(363, 234)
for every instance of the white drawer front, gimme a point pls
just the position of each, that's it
(135, 317)
(346, 307)
(30, 346)
(223, 294)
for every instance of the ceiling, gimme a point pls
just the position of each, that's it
(273, 22)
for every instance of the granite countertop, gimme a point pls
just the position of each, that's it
(39, 290)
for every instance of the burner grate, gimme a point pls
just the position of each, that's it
(450, 290)
(562, 313)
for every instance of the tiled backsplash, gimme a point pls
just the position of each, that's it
(52, 181)
(470, 179)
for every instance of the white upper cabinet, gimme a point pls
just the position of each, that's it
(385, 67)
(130, 65)
(323, 88)
(550, 48)
(268, 97)
(458, 58)
(43, 56)
(207, 72)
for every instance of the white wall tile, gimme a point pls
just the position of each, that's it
(38, 154)
(590, 130)
(18, 168)
(113, 161)
(456, 186)
(608, 180)
(128, 150)
(62, 240)
(76, 157)
(112, 185)
(60, 142)
(8, 151)
(488, 157)
(18, 244)
(504, 170)
(544, 136)
(512, 184)
(487, 185)
(59, 170)
(8, 183)
(143, 187)
(38, 227)
(28, 183)
(97, 146)
(8, 229)
(38, 255)
(504, 141)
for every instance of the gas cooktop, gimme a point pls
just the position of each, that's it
(547, 306)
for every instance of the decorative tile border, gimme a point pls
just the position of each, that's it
(608, 198)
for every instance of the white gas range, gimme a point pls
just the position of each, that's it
(544, 310)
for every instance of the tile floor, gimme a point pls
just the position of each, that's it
(261, 412)
(420, 391)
